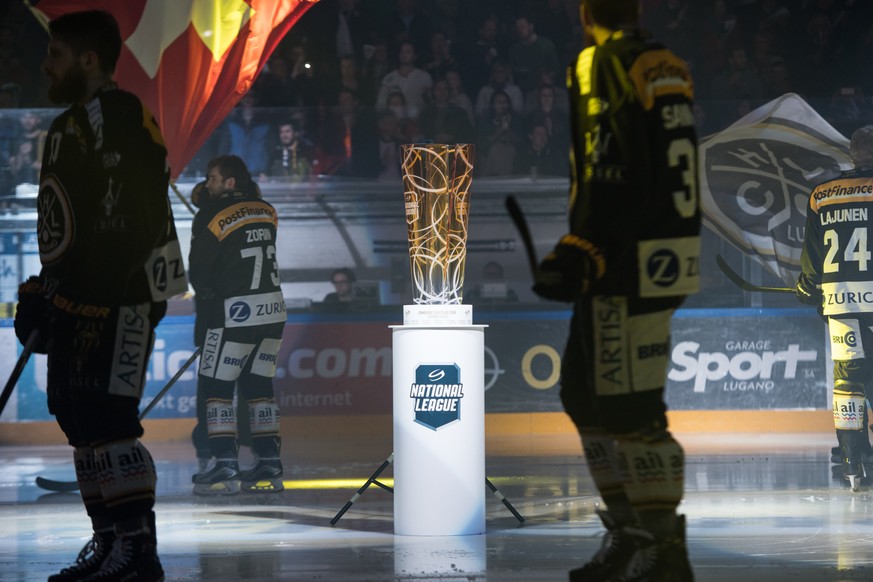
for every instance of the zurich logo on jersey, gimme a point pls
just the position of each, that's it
(663, 267)
(240, 311)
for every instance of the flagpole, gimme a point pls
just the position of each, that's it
(182, 198)
(37, 14)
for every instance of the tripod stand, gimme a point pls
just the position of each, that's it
(374, 480)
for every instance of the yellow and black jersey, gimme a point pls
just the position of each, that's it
(837, 259)
(634, 194)
(232, 263)
(102, 208)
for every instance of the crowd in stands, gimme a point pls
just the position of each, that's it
(354, 79)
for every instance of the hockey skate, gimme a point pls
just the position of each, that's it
(615, 552)
(90, 559)
(264, 477)
(221, 478)
(133, 558)
(658, 560)
(852, 456)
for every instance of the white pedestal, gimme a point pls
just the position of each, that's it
(439, 430)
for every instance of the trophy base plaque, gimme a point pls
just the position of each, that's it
(437, 315)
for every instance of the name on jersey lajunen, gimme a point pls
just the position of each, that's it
(844, 215)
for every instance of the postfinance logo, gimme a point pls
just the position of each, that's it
(436, 395)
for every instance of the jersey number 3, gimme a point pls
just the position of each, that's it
(682, 154)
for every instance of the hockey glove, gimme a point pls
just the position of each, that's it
(32, 314)
(199, 195)
(809, 294)
(567, 272)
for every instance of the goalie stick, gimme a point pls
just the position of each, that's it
(520, 223)
(68, 486)
(745, 285)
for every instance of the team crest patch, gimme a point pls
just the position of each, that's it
(757, 175)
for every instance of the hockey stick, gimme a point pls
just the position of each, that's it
(520, 223)
(745, 285)
(67, 486)
(169, 385)
(18, 369)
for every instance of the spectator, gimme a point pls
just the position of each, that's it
(530, 55)
(342, 280)
(441, 59)
(292, 157)
(406, 23)
(407, 125)
(246, 133)
(718, 31)
(499, 137)
(481, 55)
(540, 158)
(389, 147)
(348, 139)
(13, 64)
(443, 122)
(377, 65)
(777, 80)
(458, 96)
(350, 78)
(554, 20)
(406, 78)
(26, 159)
(344, 29)
(674, 19)
(500, 80)
(740, 81)
(10, 95)
(306, 81)
(274, 84)
(553, 121)
(562, 100)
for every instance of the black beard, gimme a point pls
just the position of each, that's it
(71, 88)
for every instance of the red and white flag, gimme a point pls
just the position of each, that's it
(190, 61)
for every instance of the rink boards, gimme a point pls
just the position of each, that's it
(340, 365)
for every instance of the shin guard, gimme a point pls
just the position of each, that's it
(599, 448)
(653, 470)
(849, 405)
(89, 487)
(221, 428)
(264, 425)
(127, 478)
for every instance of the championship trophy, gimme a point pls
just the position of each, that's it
(436, 186)
(438, 366)
(439, 407)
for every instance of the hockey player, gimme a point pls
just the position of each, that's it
(109, 261)
(235, 275)
(629, 260)
(835, 276)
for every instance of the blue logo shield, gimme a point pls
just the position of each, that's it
(436, 395)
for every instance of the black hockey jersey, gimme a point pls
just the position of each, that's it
(104, 223)
(836, 260)
(232, 264)
(634, 195)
